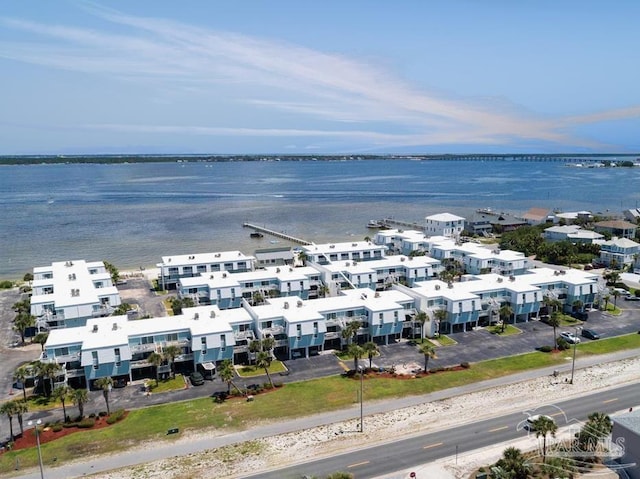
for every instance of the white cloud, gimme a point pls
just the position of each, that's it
(362, 102)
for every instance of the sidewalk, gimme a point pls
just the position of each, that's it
(163, 451)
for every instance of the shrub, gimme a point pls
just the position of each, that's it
(277, 384)
(92, 415)
(545, 349)
(115, 416)
(102, 413)
(70, 424)
(57, 427)
(86, 423)
(6, 284)
(563, 344)
(465, 365)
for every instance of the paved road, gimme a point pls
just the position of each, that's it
(393, 456)
(162, 451)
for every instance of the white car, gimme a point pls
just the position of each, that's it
(530, 422)
(570, 337)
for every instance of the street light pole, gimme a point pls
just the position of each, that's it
(360, 368)
(38, 423)
(573, 363)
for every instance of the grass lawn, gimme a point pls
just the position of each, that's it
(444, 340)
(167, 384)
(251, 371)
(294, 400)
(509, 330)
(566, 320)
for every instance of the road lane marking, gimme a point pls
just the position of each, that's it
(557, 414)
(609, 400)
(433, 445)
(359, 464)
(499, 429)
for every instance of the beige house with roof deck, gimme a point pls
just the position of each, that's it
(68, 293)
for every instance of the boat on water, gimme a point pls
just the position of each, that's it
(256, 234)
(374, 224)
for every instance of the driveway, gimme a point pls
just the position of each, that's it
(139, 291)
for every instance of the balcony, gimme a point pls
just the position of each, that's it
(332, 335)
(74, 373)
(143, 348)
(102, 311)
(244, 335)
(273, 330)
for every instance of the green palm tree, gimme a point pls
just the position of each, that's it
(356, 351)
(554, 321)
(421, 318)
(350, 331)
(156, 360)
(105, 384)
(227, 373)
(79, 397)
(49, 371)
(20, 375)
(505, 315)
(514, 464)
(440, 315)
(597, 427)
(263, 360)
(21, 408)
(429, 352)
(268, 343)
(62, 393)
(544, 426)
(170, 353)
(370, 349)
(41, 339)
(255, 346)
(21, 322)
(9, 409)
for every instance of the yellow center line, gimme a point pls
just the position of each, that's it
(498, 428)
(433, 445)
(609, 400)
(556, 414)
(359, 464)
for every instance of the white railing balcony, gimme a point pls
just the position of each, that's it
(74, 373)
(273, 330)
(143, 348)
(332, 335)
(67, 358)
(242, 335)
(281, 342)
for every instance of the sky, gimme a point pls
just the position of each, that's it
(302, 77)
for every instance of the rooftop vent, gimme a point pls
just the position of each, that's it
(354, 244)
(449, 285)
(114, 327)
(95, 328)
(299, 304)
(377, 295)
(224, 275)
(437, 287)
(286, 305)
(196, 316)
(212, 314)
(402, 258)
(499, 280)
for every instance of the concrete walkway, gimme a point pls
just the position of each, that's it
(165, 450)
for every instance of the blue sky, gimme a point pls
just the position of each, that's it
(331, 76)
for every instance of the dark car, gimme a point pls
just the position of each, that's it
(590, 334)
(119, 383)
(581, 315)
(196, 378)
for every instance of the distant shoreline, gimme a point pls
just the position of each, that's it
(213, 158)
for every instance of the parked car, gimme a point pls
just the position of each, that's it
(570, 337)
(119, 383)
(581, 315)
(590, 334)
(632, 298)
(530, 423)
(196, 378)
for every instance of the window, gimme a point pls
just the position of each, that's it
(172, 337)
(202, 268)
(116, 353)
(203, 345)
(146, 340)
(187, 270)
(223, 342)
(215, 267)
(94, 357)
(315, 329)
(298, 331)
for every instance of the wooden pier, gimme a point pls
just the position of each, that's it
(414, 225)
(277, 234)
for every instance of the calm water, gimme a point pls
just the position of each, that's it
(132, 214)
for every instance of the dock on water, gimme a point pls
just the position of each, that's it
(277, 234)
(413, 225)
